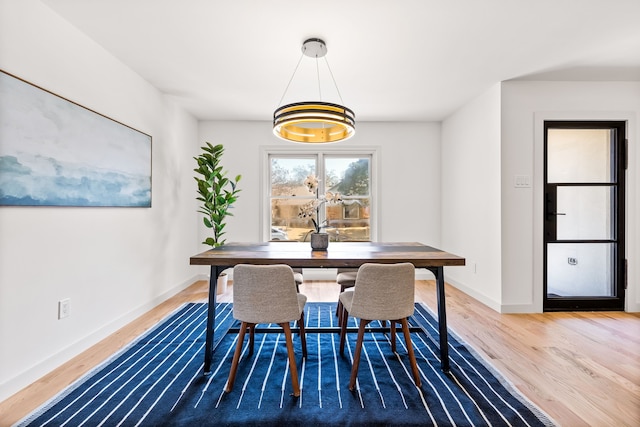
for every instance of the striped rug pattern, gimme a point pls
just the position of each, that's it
(158, 381)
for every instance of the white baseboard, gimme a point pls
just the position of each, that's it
(632, 308)
(37, 371)
(474, 294)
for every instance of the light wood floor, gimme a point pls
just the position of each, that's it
(583, 369)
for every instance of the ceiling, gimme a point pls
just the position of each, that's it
(408, 60)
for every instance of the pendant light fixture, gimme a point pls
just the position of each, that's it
(314, 122)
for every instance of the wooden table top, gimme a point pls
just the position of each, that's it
(339, 254)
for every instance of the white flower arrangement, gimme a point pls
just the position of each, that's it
(312, 209)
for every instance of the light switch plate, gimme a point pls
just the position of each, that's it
(523, 181)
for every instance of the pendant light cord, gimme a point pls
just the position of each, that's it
(334, 80)
(318, 74)
(286, 89)
(291, 79)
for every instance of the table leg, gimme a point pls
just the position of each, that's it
(211, 318)
(442, 319)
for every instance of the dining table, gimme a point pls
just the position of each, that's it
(337, 255)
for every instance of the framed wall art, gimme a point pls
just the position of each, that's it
(54, 152)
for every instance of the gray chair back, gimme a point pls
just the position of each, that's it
(265, 294)
(384, 291)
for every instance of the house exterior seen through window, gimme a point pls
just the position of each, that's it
(347, 218)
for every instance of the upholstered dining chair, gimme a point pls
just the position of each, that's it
(298, 277)
(267, 294)
(346, 278)
(381, 292)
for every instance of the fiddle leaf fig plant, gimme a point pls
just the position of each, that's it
(216, 192)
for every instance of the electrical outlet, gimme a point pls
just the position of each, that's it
(64, 308)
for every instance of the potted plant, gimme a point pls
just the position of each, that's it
(216, 192)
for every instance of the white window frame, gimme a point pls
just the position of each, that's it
(295, 151)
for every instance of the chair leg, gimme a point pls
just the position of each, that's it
(292, 359)
(356, 356)
(236, 358)
(412, 356)
(344, 319)
(303, 335)
(299, 321)
(393, 335)
(338, 311)
(252, 333)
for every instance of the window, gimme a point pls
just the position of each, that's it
(347, 218)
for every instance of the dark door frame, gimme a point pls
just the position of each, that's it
(619, 161)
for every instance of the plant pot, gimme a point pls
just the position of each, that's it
(319, 241)
(222, 284)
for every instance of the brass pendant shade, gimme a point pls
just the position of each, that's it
(314, 122)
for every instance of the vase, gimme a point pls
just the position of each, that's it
(222, 283)
(319, 241)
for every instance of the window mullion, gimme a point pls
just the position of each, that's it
(320, 168)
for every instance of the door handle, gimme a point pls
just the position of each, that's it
(552, 214)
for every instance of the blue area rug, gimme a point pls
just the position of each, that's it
(158, 381)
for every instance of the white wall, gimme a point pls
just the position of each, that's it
(409, 173)
(471, 196)
(114, 263)
(525, 106)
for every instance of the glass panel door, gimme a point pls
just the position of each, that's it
(584, 216)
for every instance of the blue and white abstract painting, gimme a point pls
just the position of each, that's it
(54, 152)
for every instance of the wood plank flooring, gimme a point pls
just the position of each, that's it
(583, 369)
